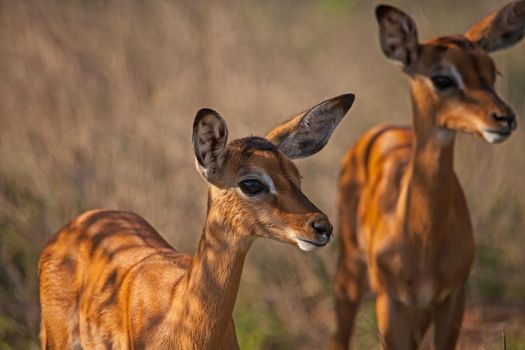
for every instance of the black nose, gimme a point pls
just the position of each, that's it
(508, 121)
(322, 226)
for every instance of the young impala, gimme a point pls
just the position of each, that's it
(401, 208)
(109, 280)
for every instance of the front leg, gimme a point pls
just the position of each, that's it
(349, 283)
(401, 327)
(448, 316)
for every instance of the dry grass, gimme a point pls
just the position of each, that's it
(96, 104)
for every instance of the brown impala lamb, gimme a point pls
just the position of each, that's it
(402, 212)
(109, 280)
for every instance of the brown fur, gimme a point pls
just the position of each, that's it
(402, 212)
(109, 280)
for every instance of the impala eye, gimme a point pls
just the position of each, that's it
(442, 82)
(252, 187)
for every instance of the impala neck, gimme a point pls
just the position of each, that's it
(429, 194)
(214, 276)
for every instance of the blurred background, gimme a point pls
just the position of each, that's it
(97, 99)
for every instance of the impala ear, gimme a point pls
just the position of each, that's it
(501, 29)
(309, 132)
(210, 134)
(397, 35)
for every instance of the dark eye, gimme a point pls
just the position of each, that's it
(252, 187)
(442, 82)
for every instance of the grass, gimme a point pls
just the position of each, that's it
(96, 111)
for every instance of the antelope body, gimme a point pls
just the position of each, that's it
(402, 212)
(109, 280)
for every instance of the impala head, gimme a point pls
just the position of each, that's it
(254, 181)
(454, 76)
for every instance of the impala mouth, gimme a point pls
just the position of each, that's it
(308, 245)
(496, 136)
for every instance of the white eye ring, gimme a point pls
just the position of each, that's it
(259, 175)
(268, 180)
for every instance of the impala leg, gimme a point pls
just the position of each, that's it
(401, 327)
(55, 335)
(54, 328)
(349, 280)
(448, 317)
(422, 323)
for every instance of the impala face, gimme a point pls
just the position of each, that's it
(255, 181)
(459, 76)
(265, 184)
(455, 75)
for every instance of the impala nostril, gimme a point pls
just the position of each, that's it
(322, 226)
(508, 120)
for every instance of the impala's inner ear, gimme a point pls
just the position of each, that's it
(397, 35)
(210, 134)
(501, 29)
(307, 133)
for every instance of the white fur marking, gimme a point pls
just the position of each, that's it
(268, 180)
(305, 246)
(457, 77)
(493, 137)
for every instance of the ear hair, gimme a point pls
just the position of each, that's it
(501, 29)
(397, 35)
(309, 132)
(210, 134)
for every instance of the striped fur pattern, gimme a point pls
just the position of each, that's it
(108, 280)
(403, 216)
